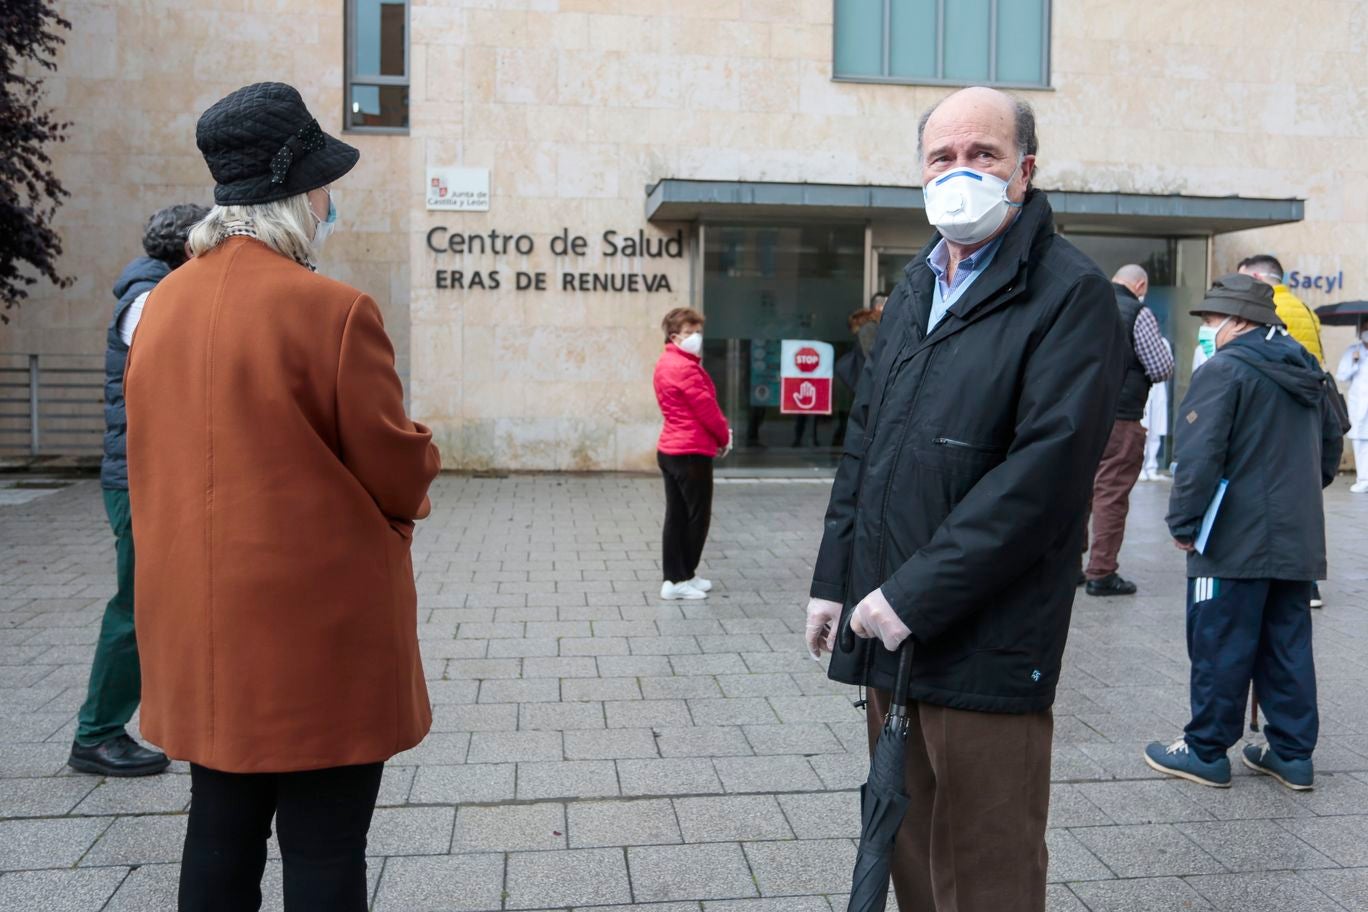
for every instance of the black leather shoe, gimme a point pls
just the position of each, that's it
(1111, 584)
(119, 756)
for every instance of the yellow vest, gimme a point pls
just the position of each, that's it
(1302, 322)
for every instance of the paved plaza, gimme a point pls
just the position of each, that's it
(593, 748)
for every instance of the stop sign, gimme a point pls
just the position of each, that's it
(806, 359)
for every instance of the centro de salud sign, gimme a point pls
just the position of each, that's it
(612, 246)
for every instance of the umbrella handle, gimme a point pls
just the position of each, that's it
(847, 636)
(899, 702)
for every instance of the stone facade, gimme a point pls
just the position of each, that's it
(577, 106)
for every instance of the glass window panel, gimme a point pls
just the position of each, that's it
(380, 40)
(378, 106)
(966, 40)
(859, 37)
(1019, 40)
(762, 284)
(912, 39)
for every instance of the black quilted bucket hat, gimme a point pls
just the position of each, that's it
(262, 144)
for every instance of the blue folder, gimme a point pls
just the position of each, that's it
(1209, 518)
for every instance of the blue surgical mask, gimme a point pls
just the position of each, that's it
(1206, 336)
(324, 226)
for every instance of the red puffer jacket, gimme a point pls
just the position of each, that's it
(688, 400)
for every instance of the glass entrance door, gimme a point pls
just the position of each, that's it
(762, 284)
(890, 264)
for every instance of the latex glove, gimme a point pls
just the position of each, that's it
(823, 617)
(874, 617)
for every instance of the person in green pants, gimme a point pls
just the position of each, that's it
(102, 744)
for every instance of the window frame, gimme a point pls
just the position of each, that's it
(1045, 71)
(350, 78)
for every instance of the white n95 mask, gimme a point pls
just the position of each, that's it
(967, 206)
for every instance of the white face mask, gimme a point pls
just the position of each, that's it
(325, 226)
(967, 206)
(692, 343)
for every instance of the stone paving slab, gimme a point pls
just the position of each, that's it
(595, 749)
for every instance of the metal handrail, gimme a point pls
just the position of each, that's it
(61, 417)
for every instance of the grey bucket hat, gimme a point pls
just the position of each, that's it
(1240, 296)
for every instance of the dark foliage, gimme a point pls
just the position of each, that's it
(29, 191)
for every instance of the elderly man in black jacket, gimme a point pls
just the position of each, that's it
(960, 506)
(1257, 439)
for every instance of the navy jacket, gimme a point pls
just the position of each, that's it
(963, 488)
(138, 276)
(1258, 415)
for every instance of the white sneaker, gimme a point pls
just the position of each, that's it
(1360, 487)
(701, 584)
(671, 591)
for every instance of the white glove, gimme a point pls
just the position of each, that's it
(874, 617)
(823, 616)
(722, 453)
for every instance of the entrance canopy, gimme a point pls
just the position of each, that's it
(673, 200)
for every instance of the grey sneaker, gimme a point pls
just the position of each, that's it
(1298, 775)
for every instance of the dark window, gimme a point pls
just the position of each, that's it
(377, 65)
(949, 42)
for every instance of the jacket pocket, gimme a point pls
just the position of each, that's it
(964, 459)
(966, 445)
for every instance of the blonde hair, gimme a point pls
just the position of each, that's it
(286, 226)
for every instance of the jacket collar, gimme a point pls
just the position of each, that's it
(671, 347)
(1000, 282)
(1124, 292)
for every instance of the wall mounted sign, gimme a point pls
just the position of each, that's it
(1329, 284)
(638, 251)
(458, 189)
(805, 372)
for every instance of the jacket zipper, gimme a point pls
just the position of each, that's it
(964, 445)
(897, 455)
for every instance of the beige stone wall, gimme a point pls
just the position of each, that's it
(576, 106)
(133, 78)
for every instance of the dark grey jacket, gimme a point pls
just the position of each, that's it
(142, 274)
(1257, 414)
(962, 490)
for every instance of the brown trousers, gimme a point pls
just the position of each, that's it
(1116, 475)
(973, 839)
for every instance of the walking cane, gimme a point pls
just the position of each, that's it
(1253, 708)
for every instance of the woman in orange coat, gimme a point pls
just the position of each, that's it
(275, 480)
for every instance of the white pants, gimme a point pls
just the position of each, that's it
(1153, 442)
(1361, 459)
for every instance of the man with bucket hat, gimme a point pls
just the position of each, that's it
(1256, 440)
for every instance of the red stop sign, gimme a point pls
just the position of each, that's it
(806, 359)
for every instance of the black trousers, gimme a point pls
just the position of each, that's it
(688, 512)
(322, 817)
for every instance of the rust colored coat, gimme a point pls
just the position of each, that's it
(274, 476)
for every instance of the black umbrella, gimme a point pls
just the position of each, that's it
(1345, 313)
(883, 799)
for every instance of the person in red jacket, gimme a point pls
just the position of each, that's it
(694, 433)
